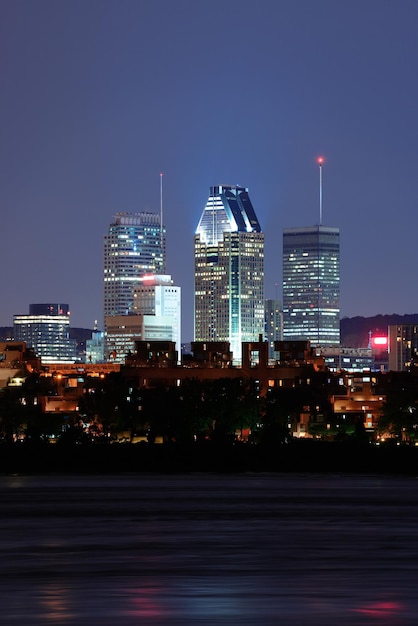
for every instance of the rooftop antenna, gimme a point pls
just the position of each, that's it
(320, 160)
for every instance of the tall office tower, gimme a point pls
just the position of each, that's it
(47, 331)
(134, 246)
(311, 285)
(273, 325)
(157, 295)
(229, 270)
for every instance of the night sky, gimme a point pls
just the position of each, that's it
(100, 96)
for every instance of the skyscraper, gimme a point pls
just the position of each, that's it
(133, 246)
(229, 270)
(311, 285)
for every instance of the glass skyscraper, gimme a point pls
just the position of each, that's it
(311, 285)
(133, 246)
(47, 331)
(229, 270)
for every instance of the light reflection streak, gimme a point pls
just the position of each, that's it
(381, 610)
(55, 604)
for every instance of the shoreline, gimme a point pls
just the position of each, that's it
(299, 456)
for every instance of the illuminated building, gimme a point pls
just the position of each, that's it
(311, 285)
(47, 331)
(157, 295)
(122, 331)
(95, 347)
(133, 246)
(403, 347)
(348, 359)
(273, 330)
(229, 270)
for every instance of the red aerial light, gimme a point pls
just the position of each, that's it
(320, 160)
(379, 341)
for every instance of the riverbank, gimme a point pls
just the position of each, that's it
(296, 456)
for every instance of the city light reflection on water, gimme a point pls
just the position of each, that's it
(207, 549)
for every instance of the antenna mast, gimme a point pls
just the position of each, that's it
(161, 210)
(320, 162)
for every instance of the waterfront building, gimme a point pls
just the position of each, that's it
(229, 270)
(311, 285)
(46, 330)
(273, 325)
(157, 295)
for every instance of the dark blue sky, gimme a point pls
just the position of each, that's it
(100, 96)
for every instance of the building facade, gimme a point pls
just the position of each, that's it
(95, 347)
(134, 246)
(273, 328)
(311, 285)
(229, 270)
(46, 330)
(157, 295)
(403, 347)
(123, 331)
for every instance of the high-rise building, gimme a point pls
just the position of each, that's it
(403, 347)
(229, 270)
(134, 246)
(47, 331)
(311, 285)
(273, 329)
(157, 295)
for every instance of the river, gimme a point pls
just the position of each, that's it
(208, 549)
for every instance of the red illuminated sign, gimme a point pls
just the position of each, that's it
(379, 342)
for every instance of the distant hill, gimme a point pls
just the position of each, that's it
(355, 330)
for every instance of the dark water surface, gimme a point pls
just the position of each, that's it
(209, 549)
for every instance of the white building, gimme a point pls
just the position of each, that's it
(157, 296)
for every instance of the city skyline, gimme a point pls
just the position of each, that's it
(99, 98)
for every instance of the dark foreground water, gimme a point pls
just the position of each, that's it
(209, 549)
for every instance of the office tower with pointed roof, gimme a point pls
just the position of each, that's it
(229, 270)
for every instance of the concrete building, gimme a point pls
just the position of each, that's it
(157, 295)
(123, 331)
(229, 270)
